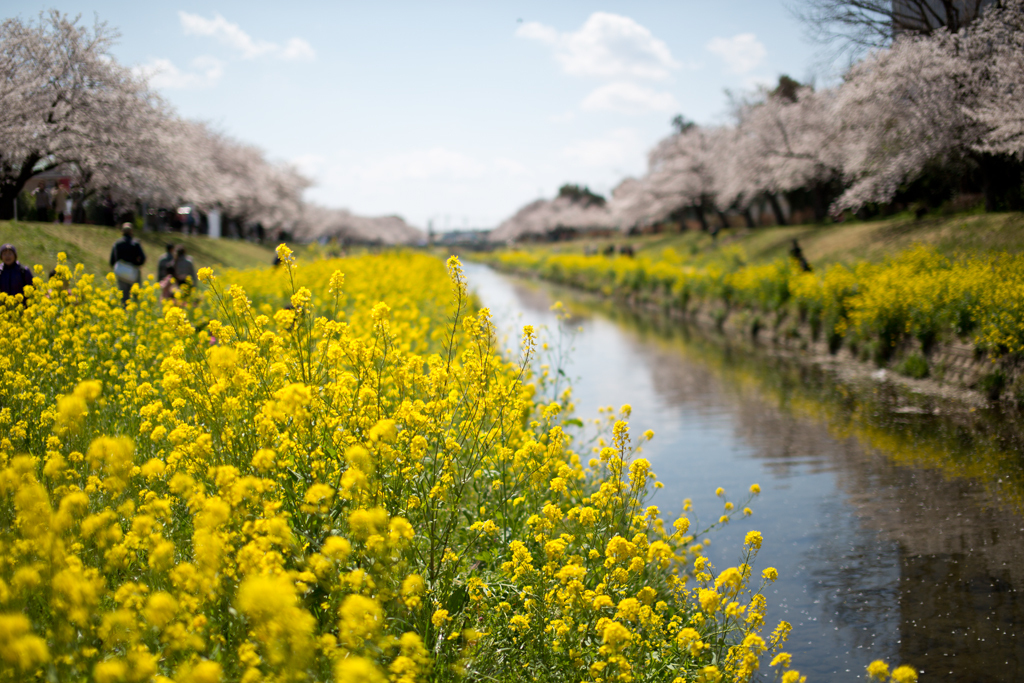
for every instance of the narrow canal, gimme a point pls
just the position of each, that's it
(895, 523)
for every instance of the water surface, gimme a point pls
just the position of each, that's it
(894, 521)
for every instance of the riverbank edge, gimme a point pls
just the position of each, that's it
(959, 371)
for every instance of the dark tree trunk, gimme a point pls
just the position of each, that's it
(12, 182)
(1002, 181)
(78, 214)
(699, 210)
(723, 218)
(749, 218)
(780, 218)
(818, 203)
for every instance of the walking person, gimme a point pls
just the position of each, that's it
(14, 277)
(797, 253)
(184, 268)
(184, 272)
(127, 258)
(165, 266)
(165, 273)
(42, 204)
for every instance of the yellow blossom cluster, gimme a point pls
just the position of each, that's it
(878, 670)
(310, 476)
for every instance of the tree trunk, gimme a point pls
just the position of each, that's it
(780, 218)
(78, 201)
(722, 217)
(1001, 181)
(699, 210)
(818, 202)
(749, 218)
(11, 185)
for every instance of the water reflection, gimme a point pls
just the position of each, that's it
(897, 531)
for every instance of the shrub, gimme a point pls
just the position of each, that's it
(913, 365)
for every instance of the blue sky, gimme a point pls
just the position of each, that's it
(455, 113)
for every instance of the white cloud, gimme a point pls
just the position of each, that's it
(614, 148)
(742, 53)
(163, 74)
(298, 50)
(234, 37)
(608, 46)
(629, 98)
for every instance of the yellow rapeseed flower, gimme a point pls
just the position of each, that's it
(878, 670)
(904, 674)
(354, 669)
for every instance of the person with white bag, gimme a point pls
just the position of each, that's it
(127, 258)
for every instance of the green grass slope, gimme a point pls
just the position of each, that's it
(822, 244)
(90, 245)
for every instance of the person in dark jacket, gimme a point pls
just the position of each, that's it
(129, 253)
(184, 268)
(165, 266)
(14, 277)
(797, 253)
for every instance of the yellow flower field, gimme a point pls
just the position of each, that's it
(326, 473)
(917, 294)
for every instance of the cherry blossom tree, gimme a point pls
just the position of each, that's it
(946, 97)
(57, 78)
(788, 143)
(937, 99)
(994, 52)
(540, 218)
(898, 110)
(633, 204)
(208, 168)
(65, 102)
(121, 151)
(683, 172)
(320, 222)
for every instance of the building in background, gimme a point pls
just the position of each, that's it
(927, 16)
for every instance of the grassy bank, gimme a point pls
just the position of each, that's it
(847, 243)
(39, 243)
(890, 291)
